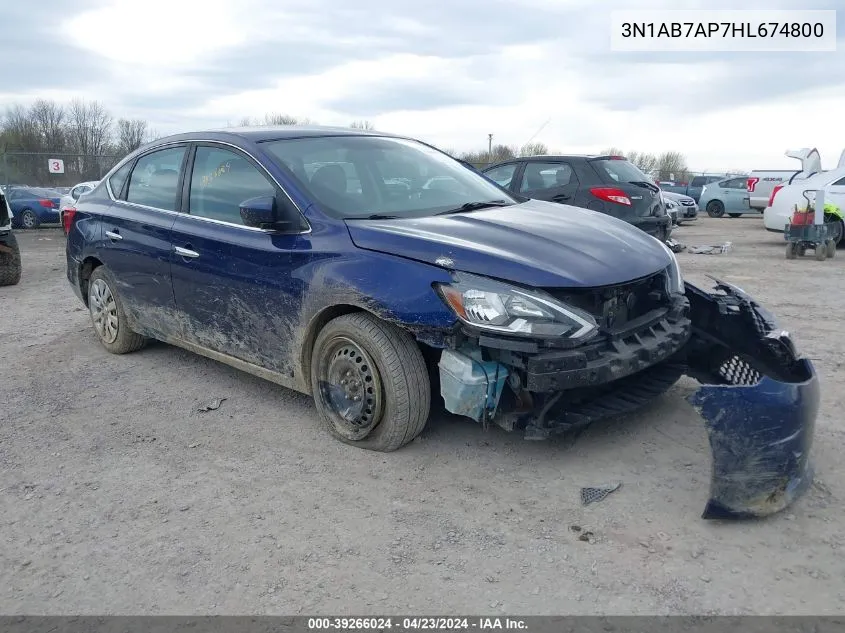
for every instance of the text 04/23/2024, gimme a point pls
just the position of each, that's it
(723, 31)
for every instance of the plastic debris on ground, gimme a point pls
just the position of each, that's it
(212, 406)
(675, 245)
(710, 250)
(594, 495)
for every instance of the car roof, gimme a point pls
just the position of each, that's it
(257, 134)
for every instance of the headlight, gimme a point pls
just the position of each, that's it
(673, 272)
(498, 307)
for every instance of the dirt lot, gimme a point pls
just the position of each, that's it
(118, 496)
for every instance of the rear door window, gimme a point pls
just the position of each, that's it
(155, 179)
(118, 179)
(539, 176)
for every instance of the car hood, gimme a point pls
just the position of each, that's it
(535, 243)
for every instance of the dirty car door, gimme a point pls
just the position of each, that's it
(135, 244)
(234, 284)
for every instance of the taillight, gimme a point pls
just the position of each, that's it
(47, 204)
(67, 218)
(751, 184)
(774, 193)
(611, 194)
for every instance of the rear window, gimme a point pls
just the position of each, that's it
(619, 171)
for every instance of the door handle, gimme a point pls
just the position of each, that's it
(185, 252)
(114, 235)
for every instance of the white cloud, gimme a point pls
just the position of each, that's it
(584, 98)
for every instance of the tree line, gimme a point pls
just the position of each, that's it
(90, 140)
(82, 133)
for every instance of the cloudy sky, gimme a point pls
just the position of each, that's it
(448, 72)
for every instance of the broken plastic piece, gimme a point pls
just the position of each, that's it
(212, 406)
(759, 400)
(594, 495)
(711, 250)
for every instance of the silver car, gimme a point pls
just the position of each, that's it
(686, 205)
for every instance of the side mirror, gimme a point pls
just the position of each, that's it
(259, 212)
(264, 212)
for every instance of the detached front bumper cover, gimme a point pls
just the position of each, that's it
(759, 400)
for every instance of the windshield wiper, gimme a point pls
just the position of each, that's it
(647, 185)
(475, 206)
(374, 216)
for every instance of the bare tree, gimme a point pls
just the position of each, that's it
(131, 134)
(646, 162)
(362, 125)
(671, 165)
(19, 130)
(275, 118)
(534, 149)
(48, 118)
(89, 134)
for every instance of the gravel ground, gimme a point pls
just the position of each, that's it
(117, 496)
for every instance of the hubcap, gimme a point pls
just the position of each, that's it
(350, 388)
(103, 310)
(28, 220)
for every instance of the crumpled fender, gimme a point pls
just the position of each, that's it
(759, 400)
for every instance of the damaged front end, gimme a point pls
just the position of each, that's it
(758, 398)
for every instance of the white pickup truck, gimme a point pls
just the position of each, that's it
(761, 182)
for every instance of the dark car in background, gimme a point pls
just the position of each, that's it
(608, 184)
(33, 206)
(694, 187)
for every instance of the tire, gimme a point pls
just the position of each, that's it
(821, 252)
(29, 220)
(366, 351)
(10, 263)
(791, 250)
(831, 249)
(104, 302)
(715, 209)
(840, 239)
(735, 215)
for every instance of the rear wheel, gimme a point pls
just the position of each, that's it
(735, 215)
(370, 383)
(839, 234)
(10, 262)
(28, 219)
(108, 316)
(831, 248)
(821, 252)
(715, 209)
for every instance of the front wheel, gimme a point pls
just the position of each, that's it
(715, 209)
(108, 316)
(370, 383)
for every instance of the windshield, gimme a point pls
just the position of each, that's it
(620, 170)
(359, 176)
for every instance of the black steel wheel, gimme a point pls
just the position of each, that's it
(370, 382)
(715, 209)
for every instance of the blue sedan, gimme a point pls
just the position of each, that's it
(369, 270)
(33, 206)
